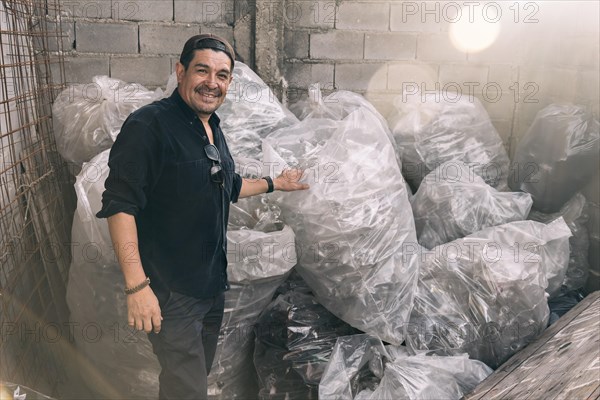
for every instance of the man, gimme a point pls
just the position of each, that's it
(167, 202)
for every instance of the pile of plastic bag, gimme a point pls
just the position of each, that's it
(352, 224)
(362, 368)
(557, 157)
(453, 202)
(294, 339)
(431, 130)
(485, 294)
(574, 212)
(88, 117)
(481, 290)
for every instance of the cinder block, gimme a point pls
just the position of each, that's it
(383, 102)
(412, 75)
(148, 71)
(409, 16)
(83, 9)
(301, 75)
(304, 13)
(225, 32)
(512, 46)
(60, 37)
(390, 46)
(337, 45)
(585, 54)
(363, 16)
(437, 47)
(243, 34)
(468, 80)
(295, 44)
(461, 73)
(504, 76)
(540, 82)
(142, 10)
(499, 105)
(81, 69)
(367, 77)
(165, 39)
(204, 11)
(101, 37)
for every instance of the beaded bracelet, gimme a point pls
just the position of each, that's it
(137, 288)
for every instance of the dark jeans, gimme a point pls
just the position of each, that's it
(186, 344)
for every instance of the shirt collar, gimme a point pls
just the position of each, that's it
(190, 114)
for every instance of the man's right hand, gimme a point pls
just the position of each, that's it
(143, 311)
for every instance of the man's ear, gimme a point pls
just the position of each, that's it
(180, 71)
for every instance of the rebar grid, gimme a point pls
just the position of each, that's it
(36, 197)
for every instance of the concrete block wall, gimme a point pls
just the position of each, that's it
(140, 40)
(379, 47)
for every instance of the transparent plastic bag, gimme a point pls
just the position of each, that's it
(88, 117)
(485, 294)
(250, 112)
(453, 202)
(353, 222)
(396, 373)
(430, 130)
(258, 264)
(574, 212)
(13, 391)
(557, 156)
(122, 355)
(294, 339)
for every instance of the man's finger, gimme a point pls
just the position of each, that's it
(139, 324)
(147, 325)
(156, 322)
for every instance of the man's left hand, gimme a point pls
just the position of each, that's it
(288, 181)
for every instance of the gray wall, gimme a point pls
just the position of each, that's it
(139, 41)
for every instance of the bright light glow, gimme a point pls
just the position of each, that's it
(475, 36)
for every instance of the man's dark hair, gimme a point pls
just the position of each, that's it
(205, 41)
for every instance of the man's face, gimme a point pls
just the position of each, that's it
(204, 84)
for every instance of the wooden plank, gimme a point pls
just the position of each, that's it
(566, 353)
(496, 380)
(595, 395)
(581, 386)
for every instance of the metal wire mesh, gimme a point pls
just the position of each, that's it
(36, 199)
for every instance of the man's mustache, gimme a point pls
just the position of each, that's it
(202, 90)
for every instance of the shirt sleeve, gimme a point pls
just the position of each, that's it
(134, 163)
(236, 187)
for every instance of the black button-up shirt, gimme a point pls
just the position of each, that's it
(160, 174)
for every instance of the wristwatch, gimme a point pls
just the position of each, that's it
(270, 183)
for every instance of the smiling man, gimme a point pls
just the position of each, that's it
(167, 202)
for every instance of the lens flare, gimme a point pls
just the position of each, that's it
(473, 37)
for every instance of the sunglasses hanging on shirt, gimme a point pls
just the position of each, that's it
(216, 171)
